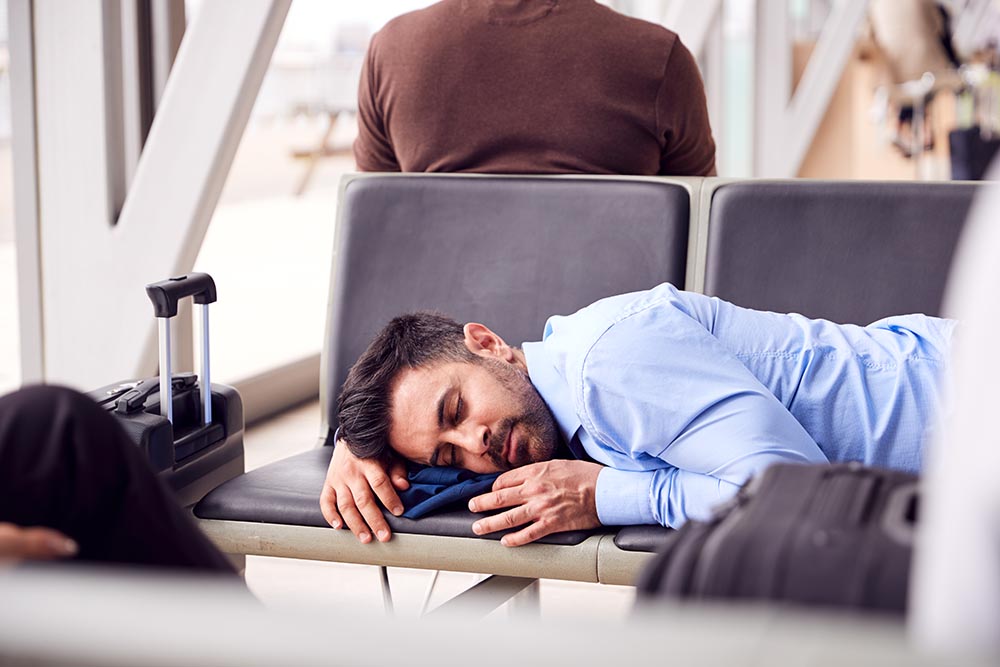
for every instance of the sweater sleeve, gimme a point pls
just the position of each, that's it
(373, 149)
(682, 118)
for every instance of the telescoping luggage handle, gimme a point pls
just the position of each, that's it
(165, 295)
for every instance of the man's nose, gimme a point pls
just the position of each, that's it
(474, 438)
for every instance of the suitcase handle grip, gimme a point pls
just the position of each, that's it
(166, 293)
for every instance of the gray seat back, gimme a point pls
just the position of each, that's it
(845, 251)
(505, 251)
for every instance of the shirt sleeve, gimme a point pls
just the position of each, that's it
(661, 389)
(682, 118)
(667, 496)
(373, 149)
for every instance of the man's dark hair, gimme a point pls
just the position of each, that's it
(408, 341)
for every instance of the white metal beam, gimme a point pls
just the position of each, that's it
(20, 23)
(786, 124)
(98, 323)
(714, 73)
(772, 83)
(167, 21)
(135, 84)
(114, 106)
(72, 183)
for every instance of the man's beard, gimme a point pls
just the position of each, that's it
(535, 420)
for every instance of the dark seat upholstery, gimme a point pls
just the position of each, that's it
(848, 251)
(508, 252)
(643, 538)
(287, 492)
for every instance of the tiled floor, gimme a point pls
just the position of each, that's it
(327, 586)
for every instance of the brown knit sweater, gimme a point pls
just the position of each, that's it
(531, 87)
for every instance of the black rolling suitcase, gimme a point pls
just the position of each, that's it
(823, 535)
(194, 438)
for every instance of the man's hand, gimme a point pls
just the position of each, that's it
(348, 493)
(550, 497)
(19, 543)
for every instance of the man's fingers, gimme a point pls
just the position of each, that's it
(386, 492)
(526, 535)
(503, 521)
(34, 543)
(497, 499)
(397, 473)
(514, 477)
(354, 521)
(371, 513)
(328, 505)
(350, 491)
(47, 543)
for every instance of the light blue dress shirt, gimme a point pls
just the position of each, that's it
(684, 396)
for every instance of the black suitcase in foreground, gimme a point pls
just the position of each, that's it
(971, 153)
(825, 535)
(194, 439)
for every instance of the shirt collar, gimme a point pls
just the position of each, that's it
(552, 387)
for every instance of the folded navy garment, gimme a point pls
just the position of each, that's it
(435, 487)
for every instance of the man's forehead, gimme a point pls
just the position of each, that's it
(416, 392)
(414, 384)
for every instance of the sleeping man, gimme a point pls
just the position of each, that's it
(643, 408)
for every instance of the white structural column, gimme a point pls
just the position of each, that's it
(713, 64)
(97, 322)
(772, 87)
(786, 124)
(73, 182)
(22, 75)
(134, 85)
(167, 19)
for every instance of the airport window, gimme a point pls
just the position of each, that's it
(270, 240)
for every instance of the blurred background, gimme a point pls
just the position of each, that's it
(838, 89)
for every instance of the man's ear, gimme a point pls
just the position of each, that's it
(481, 340)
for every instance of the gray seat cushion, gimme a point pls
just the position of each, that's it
(848, 252)
(287, 492)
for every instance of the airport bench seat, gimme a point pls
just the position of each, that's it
(510, 251)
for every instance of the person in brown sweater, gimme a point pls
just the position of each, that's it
(531, 87)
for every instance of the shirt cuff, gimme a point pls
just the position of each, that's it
(623, 497)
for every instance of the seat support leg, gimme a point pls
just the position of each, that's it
(484, 597)
(383, 573)
(430, 591)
